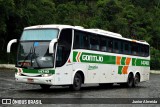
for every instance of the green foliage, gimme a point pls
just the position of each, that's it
(155, 58)
(137, 19)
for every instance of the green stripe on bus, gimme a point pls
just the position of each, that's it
(120, 69)
(133, 61)
(142, 62)
(38, 71)
(107, 59)
(123, 61)
(74, 56)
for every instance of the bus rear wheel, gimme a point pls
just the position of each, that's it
(45, 87)
(77, 82)
(130, 82)
(136, 80)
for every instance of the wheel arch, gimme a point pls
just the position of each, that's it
(130, 73)
(81, 73)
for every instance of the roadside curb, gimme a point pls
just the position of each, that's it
(155, 71)
(7, 66)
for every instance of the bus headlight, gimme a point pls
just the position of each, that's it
(46, 75)
(18, 73)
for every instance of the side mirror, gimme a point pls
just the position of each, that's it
(51, 45)
(10, 44)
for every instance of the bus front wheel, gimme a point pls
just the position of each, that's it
(77, 82)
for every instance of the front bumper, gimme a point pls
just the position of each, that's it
(35, 80)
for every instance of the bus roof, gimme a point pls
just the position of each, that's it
(95, 31)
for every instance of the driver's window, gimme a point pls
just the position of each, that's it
(64, 47)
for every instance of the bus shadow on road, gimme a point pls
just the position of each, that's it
(66, 89)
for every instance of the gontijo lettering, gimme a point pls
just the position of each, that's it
(92, 58)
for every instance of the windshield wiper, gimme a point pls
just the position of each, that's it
(22, 64)
(35, 57)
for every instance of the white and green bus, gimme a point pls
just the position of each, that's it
(72, 55)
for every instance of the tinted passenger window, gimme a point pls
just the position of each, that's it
(121, 46)
(117, 45)
(143, 50)
(93, 42)
(80, 40)
(126, 47)
(110, 45)
(134, 49)
(103, 44)
(146, 50)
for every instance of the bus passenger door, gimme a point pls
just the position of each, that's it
(63, 58)
(63, 66)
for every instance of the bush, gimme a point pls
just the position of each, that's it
(155, 59)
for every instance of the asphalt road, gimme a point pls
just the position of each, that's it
(9, 88)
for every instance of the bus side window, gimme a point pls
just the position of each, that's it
(134, 49)
(103, 44)
(80, 45)
(110, 45)
(141, 50)
(116, 46)
(85, 41)
(126, 48)
(146, 51)
(121, 46)
(76, 44)
(93, 42)
(76, 41)
(80, 40)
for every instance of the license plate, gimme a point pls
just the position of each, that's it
(30, 80)
(25, 63)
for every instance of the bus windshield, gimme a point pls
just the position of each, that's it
(39, 34)
(33, 49)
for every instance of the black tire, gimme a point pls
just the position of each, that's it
(130, 81)
(136, 80)
(77, 82)
(45, 87)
